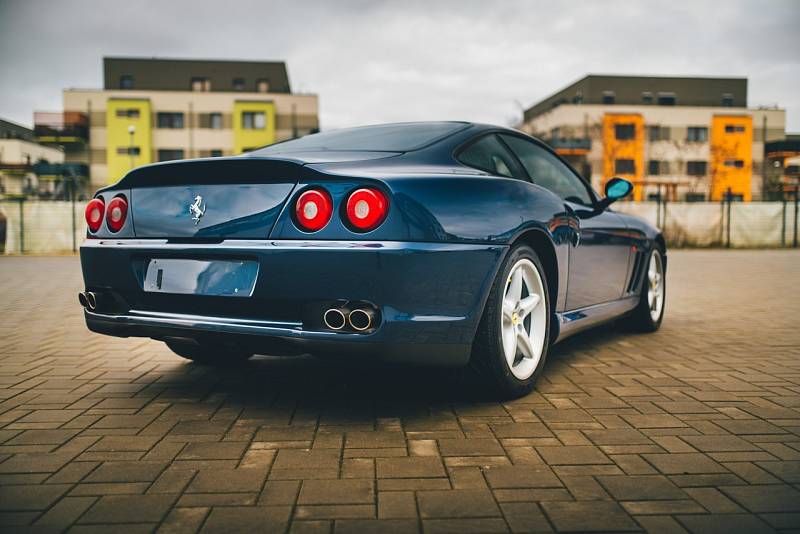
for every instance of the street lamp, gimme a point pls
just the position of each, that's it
(131, 131)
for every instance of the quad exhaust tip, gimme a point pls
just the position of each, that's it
(334, 319)
(360, 319)
(91, 300)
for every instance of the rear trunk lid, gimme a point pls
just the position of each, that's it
(220, 198)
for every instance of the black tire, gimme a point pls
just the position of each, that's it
(217, 355)
(488, 361)
(640, 319)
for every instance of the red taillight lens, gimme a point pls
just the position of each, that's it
(313, 210)
(116, 213)
(94, 214)
(366, 209)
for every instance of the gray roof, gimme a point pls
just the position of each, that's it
(177, 74)
(688, 91)
(12, 130)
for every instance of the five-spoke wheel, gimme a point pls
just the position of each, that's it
(524, 318)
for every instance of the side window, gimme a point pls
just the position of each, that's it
(488, 154)
(548, 171)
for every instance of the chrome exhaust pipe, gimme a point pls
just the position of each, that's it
(91, 300)
(334, 318)
(361, 319)
(82, 300)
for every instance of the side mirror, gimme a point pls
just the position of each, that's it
(616, 189)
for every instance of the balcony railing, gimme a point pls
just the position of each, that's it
(61, 169)
(570, 145)
(61, 128)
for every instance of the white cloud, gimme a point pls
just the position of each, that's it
(385, 61)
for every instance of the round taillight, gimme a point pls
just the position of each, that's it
(94, 214)
(116, 212)
(366, 209)
(313, 209)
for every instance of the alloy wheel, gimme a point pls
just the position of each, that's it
(655, 287)
(524, 319)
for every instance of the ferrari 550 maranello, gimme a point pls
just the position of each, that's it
(437, 243)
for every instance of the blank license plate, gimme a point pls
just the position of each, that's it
(197, 277)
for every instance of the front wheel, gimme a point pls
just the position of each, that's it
(511, 344)
(218, 355)
(649, 312)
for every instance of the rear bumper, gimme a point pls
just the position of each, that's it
(430, 296)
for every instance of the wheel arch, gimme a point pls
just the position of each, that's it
(543, 245)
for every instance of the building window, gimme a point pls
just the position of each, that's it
(696, 168)
(734, 128)
(215, 121)
(624, 132)
(168, 154)
(658, 133)
(654, 167)
(727, 100)
(262, 85)
(238, 84)
(697, 134)
(201, 84)
(609, 97)
(667, 99)
(578, 98)
(128, 150)
(624, 166)
(253, 120)
(132, 113)
(739, 164)
(126, 81)
(215, 153)
(169, 120)
(647, 97)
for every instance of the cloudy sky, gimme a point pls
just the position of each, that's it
(377, 61)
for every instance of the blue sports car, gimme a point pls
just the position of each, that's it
(437, 243)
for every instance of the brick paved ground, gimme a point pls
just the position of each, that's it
(696, 427)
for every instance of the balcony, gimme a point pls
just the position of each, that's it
(67, 128)
(65, 170)
(570, 146)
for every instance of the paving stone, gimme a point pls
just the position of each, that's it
(306, 459)
(684, 463)
(30, 497)
(457, 503)
(719, 443)
(349, 491)
(573, 455)
(368, 526)
(228, 481)
(527, 476)
(464, 526)
(129, 509)
(762, 499)
(639, 488)
(248, 519)
(725, 524)
(396, 505)
(410, 467)
(589, 516)
(126, 472)
(470, 447)
(369, 440)
(229, 450)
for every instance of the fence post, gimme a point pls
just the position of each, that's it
(728, 196)
(796, 193)
(783, 222)
(21, 225)
(72, 211)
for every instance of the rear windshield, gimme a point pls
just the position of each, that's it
(385, 137)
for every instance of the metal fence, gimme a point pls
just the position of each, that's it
(58, 226)
(41, 226)
(721, 224)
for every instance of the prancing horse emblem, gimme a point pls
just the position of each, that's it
(197, 209)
